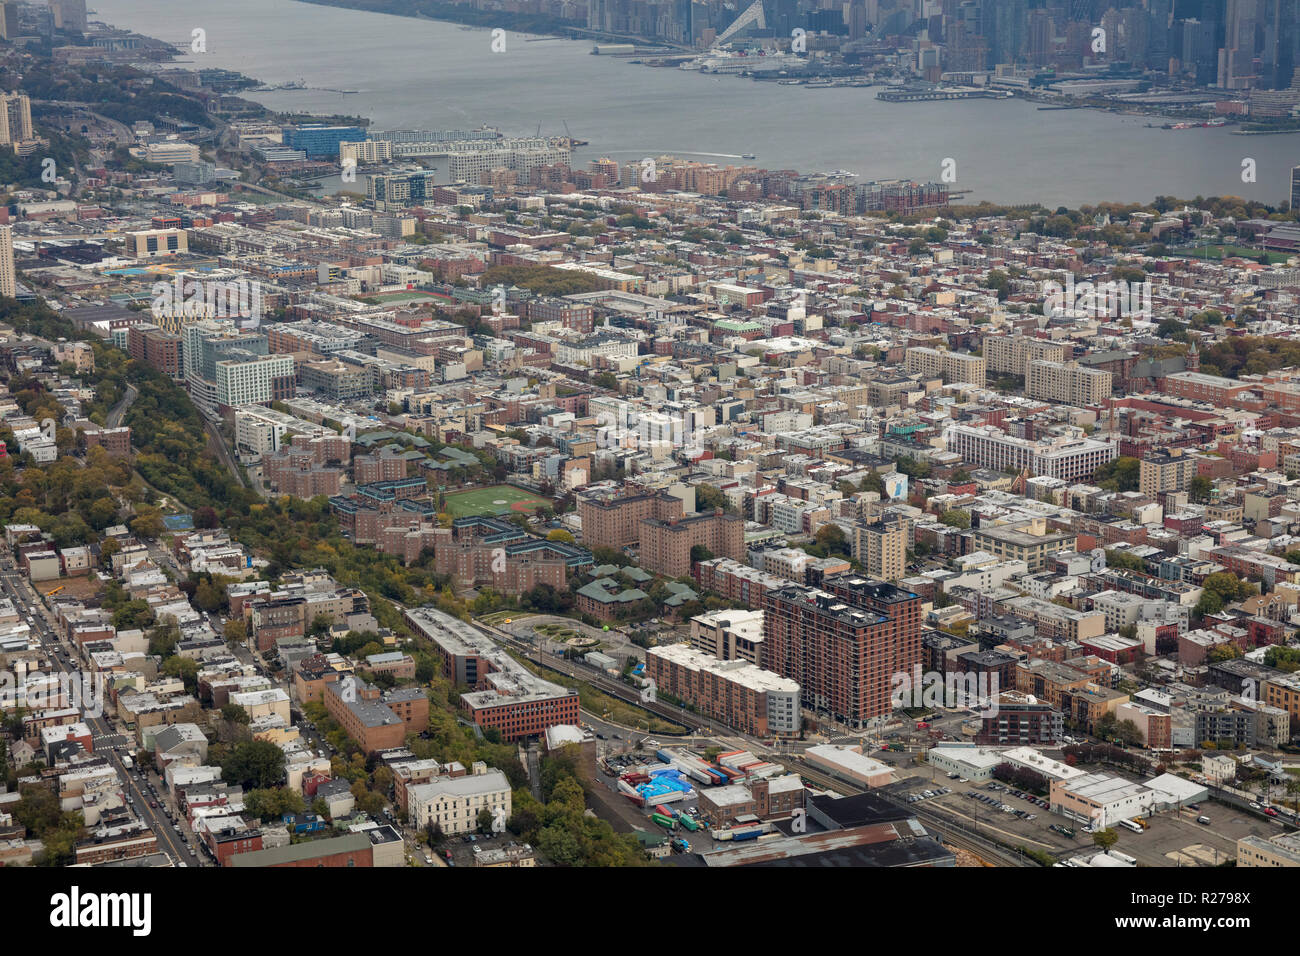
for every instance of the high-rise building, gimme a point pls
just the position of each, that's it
(1295, 187)
(15, 119)
(1166, 469)
(951, 366)
(881, 547)
(8, 278)
(1011, 354)
(844, 645)
(69, 15)
(8, 20)
(1069, 384)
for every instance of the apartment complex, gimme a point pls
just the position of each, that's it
(507, 696)
(729, 635)
(881, 548)
(843, 648)
(1021, 720)
(950, 366)
(1028, 541)
(1011, 354)
(1166, 469)
(15, 119)
(1067, 383)
(254, 380)
(375, 720)
(1069, 459)
(614, 520)
(666, 545)
(736, 692)
(8, 275)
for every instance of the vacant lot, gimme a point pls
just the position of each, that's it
(496, 500)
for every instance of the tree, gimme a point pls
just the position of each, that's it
(1199, 488)
(1223, 652)
(235, 713)
(254, 764)
(1105, 839)
(700, 552)
(273, 803)
(559, 534)
(235, 632)
(1124, 560)
(832, 538)
(484, 820)
(955, 518)
(707, 498)
(1210, 603)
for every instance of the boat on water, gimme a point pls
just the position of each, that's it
(748, 156)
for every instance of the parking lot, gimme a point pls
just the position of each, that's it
(1024, 822)
(1171, 839)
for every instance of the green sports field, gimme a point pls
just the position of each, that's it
(499, 499)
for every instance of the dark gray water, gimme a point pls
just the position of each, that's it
(426, 74)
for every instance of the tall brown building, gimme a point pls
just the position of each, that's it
(666, 545)
(160, 350)
(843, 645)
(613, 520)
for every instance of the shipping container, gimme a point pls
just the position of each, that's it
(665, 822)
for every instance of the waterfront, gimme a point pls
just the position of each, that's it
(428, 74)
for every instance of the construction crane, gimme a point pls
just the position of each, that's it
(55, 590)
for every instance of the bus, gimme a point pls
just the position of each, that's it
(1130, 825)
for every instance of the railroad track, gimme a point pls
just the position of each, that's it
(941, 827)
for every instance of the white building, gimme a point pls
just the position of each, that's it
(454, 803)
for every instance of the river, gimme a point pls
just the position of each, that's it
(413, 73)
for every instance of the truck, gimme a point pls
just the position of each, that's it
(128, 763)
(665, 822)
(681, 846)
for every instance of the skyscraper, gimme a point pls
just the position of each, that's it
(1295, 188)
(8, 280)
(15, 118)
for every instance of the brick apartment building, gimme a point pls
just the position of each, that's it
(666, 544)
(1019, 722)
(375, 720)
(736, 692)
(615, 520)
(844, 644)
(158, 349)
(506, 696)
(115, 441)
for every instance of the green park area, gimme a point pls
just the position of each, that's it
(496, 500)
